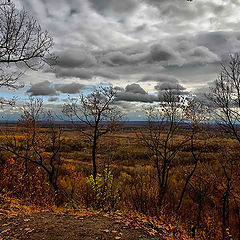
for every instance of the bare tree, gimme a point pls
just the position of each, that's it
(32, 147)
(96, 112)
(200, 188)
(23, 44)
(164, 122)
(196, 115)
(225, 96)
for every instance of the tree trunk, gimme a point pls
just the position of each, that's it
(53, 182)
(200, 208)
(94, 147)
(238, 216)
(162, 191)
(225, 214)
(186, 184)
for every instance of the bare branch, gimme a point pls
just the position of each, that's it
(22, 43)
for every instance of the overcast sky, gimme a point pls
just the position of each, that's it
(139, 46)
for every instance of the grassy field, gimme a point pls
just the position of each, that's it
(128, 178)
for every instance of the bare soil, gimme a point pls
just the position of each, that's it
(61, 226)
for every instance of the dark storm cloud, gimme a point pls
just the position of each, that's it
(201, 55)
(135, 88)
(106, 74)
(91, 45)
(81, 73)
(148, 41)
(208, 47)
(135, 93)
(175, 54)
(42, 89)
(46, 88)
(118, 88)
(135, 97)
(122, 6)
(140, 27)
(169, 86)
(121, 58)
(219, 42)
(159, 52)
(75, 58)
(192, 53)
(148, 54)
(159, 78)
(186, 11)
(71, 88)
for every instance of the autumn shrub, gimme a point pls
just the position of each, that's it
(139, 190)
(72, 145)
(23, 180)
(3, 159)
(127, 180)
(104, 192)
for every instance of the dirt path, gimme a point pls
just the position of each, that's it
(62, 226)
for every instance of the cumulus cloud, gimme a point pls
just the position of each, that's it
(152, 53)
(160, 52)
(169, 86)
(175, 88)
(135, 93)
(175, 92)
(120, 58)
(202, 92)
(173, 54)
(119, 88)
(135, 88)
(219, 42)
(46, 88)
(135, 97)
(71, 88)
(201, 55)
(42, 89)
(53, 99)
(73, 58)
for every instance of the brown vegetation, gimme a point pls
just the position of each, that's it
(127, 179)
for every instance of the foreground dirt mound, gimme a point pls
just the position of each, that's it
(53, 226)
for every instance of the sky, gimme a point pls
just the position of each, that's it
(141, 47)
